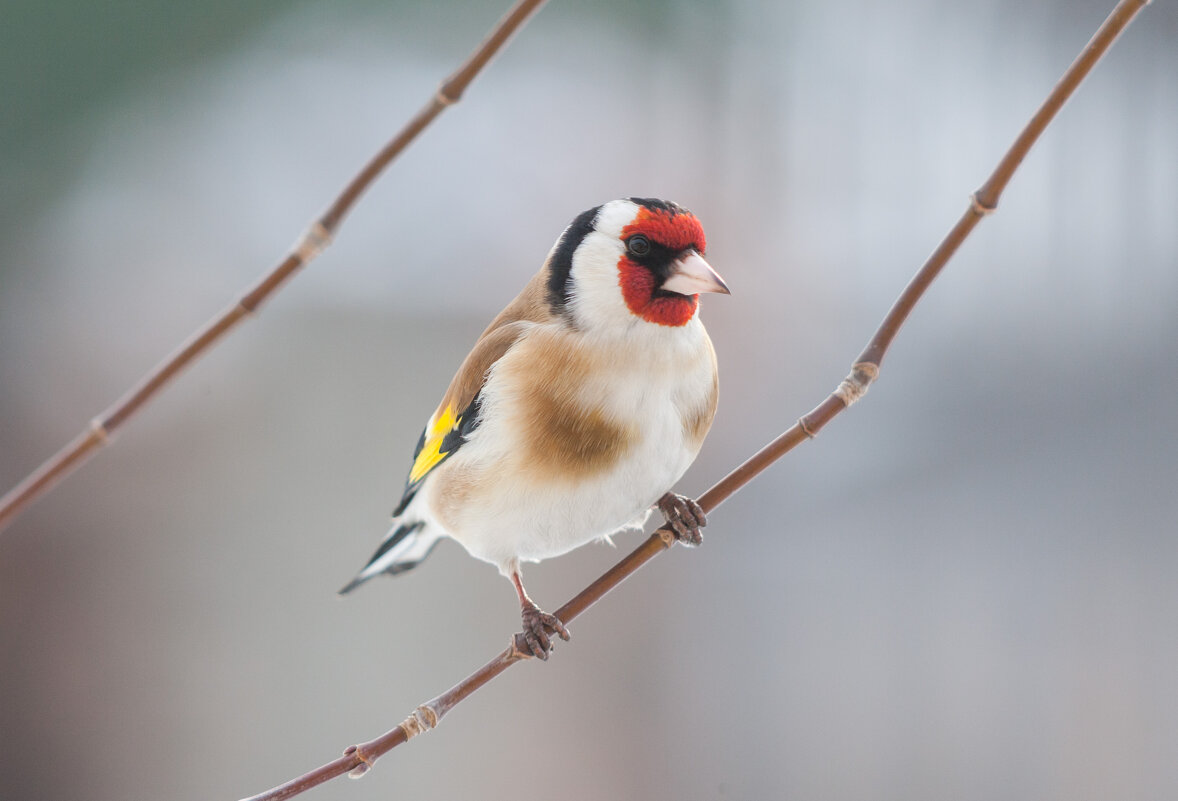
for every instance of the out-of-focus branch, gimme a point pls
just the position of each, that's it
(357, 759)
(312, 242)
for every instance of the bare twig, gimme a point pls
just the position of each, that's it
(357, 759)
(312, 242)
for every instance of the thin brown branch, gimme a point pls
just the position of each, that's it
(357, 759)
(313, 241)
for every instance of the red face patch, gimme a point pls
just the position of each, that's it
(677, 232)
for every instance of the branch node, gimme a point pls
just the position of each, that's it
(365, 765)
(855, 385)
(99, 430)
(411, 726)
(667, 536)
(312, 242)
(802, 424)
(980, 208)
(426, 717)
(442, 98)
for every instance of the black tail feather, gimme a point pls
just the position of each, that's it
(397, 536)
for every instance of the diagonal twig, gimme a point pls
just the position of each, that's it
(357, 759)
(309, 245)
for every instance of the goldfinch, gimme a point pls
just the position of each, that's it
(580, 406)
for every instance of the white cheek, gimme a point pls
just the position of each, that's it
(596, 297)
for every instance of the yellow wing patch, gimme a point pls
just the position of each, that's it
(431, 450)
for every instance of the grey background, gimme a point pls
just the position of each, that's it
(963, 589)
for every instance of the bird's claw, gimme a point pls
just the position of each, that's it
(685, 518)
(539, 628)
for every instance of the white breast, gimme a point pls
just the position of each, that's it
(510, 511)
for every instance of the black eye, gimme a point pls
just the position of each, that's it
(638, 245)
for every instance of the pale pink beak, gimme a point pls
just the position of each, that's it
(690, 275)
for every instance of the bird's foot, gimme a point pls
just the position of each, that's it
(684, 516)
(539, 629)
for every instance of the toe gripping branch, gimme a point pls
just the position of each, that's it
(684, 516)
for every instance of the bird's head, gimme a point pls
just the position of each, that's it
(631, 259)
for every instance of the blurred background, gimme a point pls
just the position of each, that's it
(962, 589)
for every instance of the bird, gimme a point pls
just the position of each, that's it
(581, 405)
